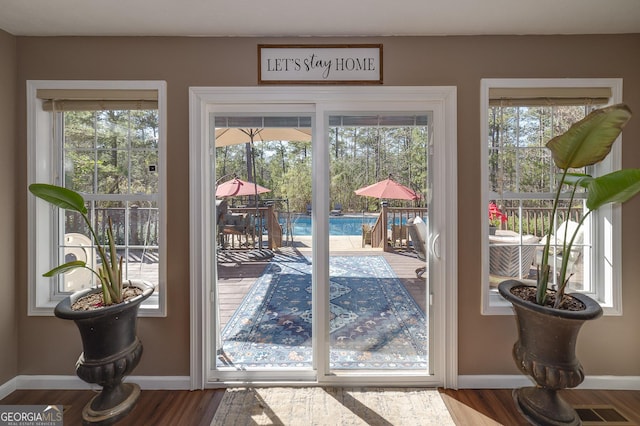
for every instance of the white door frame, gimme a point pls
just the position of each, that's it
(440, 100)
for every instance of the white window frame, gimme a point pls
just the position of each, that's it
(41, 155)
(607, 275)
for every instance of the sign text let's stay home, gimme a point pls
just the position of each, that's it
(320, 64)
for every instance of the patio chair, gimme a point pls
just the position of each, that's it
(221, 210)
(418, 234)
(399, 235)
(557, 240)
(309, 209)
(337, 210)
(366, 234)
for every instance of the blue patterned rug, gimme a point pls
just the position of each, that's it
(374, 324)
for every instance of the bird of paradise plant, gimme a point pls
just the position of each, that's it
(587, 142)
(109, 274)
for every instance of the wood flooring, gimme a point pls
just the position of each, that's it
(472, 407)
(478, 407)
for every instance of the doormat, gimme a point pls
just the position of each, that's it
(374, 322)
(330, 406)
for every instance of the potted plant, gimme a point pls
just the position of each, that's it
(496, 218)
(106, 317)
(549, 320)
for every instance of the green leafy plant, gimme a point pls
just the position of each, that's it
(587, 142)
(110, 273)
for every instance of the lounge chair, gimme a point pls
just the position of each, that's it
(337, 210)
(309, 209)
(557, 241)
(418, 234)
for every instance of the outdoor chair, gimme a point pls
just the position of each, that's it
(510, 254)
(221, 210)
(399, 235)
(418, 234)
(337, 210)
(557, 240)
(366, 234)
(237, 225)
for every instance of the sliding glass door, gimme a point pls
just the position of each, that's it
(263, 299)
(378, 311)
(319, 236)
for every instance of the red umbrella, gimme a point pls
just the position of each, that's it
(388, 189)
(237, 187)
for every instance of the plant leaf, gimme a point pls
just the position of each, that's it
(615, 187)
(577, 179)
(61, 269)
(59, 196)
(589, 140)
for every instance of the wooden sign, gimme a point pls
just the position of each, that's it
(320, 64)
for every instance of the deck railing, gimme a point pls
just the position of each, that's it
(265, 219)
(535, 220)
(390, 230)
(135, 226)
(143, 223)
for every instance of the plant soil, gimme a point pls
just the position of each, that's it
(529, 294)
(94, 301)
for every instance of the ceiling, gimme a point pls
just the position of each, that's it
(316, 18)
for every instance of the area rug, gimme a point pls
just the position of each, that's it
(374, 323)
(319, 406)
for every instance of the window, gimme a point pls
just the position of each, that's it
(518, 118)
(106, 141)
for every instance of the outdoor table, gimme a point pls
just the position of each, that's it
(505, 249)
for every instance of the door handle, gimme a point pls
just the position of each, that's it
(435, 246)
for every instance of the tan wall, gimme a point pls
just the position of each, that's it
(608, 346)
(8, 319)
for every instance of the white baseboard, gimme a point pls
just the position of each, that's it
(517, 381)
(7, 388)
(184, 382)
(74, 382)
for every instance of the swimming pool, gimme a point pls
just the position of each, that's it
(338, 225)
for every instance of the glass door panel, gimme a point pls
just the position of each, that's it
(378, 312)
(262, 256)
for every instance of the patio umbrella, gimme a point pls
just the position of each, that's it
(237, 187)
(226, 136)
(388, 189)
(231, 135)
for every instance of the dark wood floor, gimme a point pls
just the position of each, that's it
(184, 408)
(468, 407)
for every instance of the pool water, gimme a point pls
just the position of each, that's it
(338, 225)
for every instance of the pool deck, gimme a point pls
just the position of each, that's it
(337, 243)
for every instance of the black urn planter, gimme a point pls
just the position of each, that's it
(545, 351)
(110, 351)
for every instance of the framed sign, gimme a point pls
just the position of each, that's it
(320, 64)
